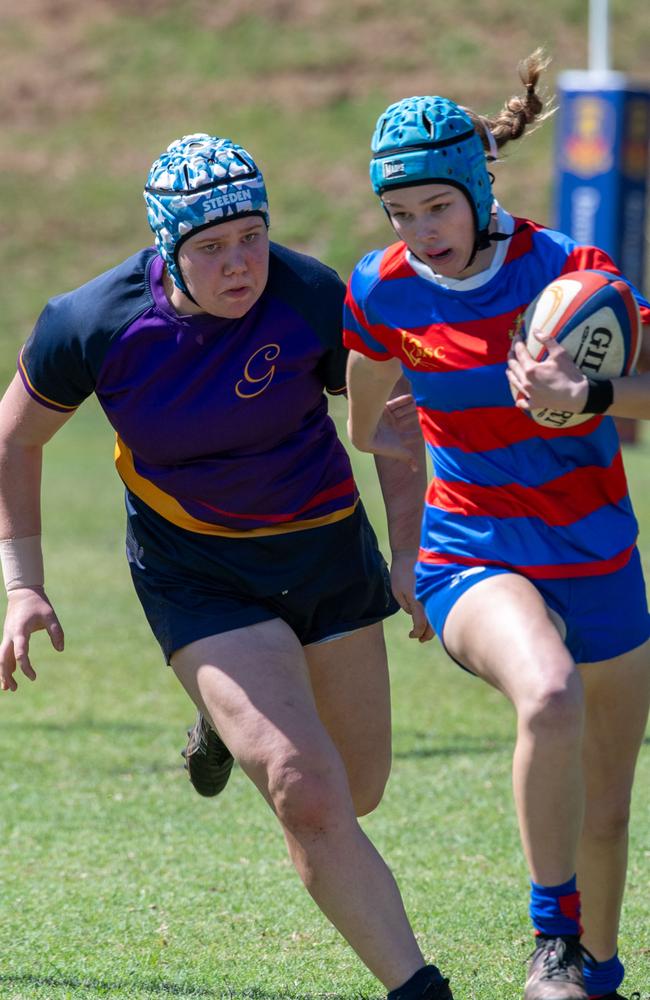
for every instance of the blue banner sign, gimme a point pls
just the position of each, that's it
(603, 137)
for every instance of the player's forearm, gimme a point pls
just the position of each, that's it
(25, 428)
(20, 518)
(370, 384)
(631, 397)
(403, 491)
(20, 490)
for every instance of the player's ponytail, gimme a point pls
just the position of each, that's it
(520, 111)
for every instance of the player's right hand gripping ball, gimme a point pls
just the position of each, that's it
(595, 317)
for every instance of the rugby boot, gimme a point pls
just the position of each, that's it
(427, 983)
(438, 989)
(555, 970)
(208, 761)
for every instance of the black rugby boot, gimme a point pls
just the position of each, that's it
(208, 761)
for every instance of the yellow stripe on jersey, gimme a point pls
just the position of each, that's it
(169, 508)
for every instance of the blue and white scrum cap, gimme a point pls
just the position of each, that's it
(422, 140)
(200, 180)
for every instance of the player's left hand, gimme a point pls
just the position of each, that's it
(555, 382)
(402, 414)
(402, 579)
(398, 433)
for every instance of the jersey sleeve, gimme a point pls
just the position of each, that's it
(326, 294)
(61, 362)
(588, 258)
(316, 292)
(332, 365)
(357, 324)
(52, 363)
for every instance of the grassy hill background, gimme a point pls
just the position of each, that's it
(93, 91)
(115, 880)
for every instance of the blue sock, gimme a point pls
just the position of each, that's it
(604, 977)
(555, 910)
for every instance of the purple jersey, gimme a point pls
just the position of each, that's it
(222, 425)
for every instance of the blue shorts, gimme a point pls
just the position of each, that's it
(323, 582)
(605, 616)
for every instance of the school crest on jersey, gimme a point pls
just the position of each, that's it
(419, 354)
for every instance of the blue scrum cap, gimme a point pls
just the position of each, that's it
(199, 181)
(422, 140)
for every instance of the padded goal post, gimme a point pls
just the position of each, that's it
(601, 171)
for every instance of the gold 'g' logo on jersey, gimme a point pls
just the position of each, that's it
(419, 353)
(258, 372)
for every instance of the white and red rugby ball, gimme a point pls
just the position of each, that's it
(595, 317)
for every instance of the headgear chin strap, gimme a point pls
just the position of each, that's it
(486, 238)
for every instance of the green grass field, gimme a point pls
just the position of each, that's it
(116, 880)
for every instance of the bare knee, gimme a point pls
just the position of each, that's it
(309, 797)
(554, 706)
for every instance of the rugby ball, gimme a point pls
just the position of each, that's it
(595, 317)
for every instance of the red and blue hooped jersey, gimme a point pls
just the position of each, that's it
(505, 491)
(222, 424)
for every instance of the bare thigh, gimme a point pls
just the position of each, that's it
(350, 681)
(254, 684)
(502, 630)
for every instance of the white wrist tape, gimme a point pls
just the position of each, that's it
(22, 562)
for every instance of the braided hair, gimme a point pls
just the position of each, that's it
(520, 111)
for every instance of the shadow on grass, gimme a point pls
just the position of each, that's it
(141, 755)
(467, 746)
(424, 747)
(149, 988)
(407, 745)
(116, 726)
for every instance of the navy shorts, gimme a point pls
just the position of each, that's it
(323, 582)
(605, 616)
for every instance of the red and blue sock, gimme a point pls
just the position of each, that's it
(555, 910)
(602, 978)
